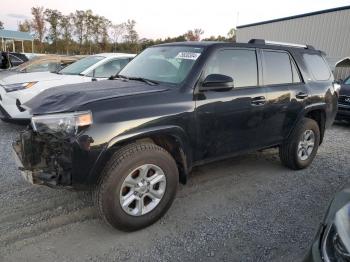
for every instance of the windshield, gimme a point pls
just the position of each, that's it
(169, 64)
(81, 65)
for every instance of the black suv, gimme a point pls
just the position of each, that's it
(175, 106)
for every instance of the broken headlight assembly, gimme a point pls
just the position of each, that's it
(66, 124)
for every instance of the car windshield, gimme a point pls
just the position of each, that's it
(168, 64)
(81, 65)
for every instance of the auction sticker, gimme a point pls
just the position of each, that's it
(188, 55)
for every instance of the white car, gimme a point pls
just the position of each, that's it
(17, 89)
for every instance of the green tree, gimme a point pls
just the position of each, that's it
(53, 17)
(38, 24)
(1, 25)
(24, 26)
(131, 35)
(79, 25)
(66, 30)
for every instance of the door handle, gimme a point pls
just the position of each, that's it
(258, 101)
(301, 95)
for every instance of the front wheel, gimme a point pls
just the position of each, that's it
(301, 147)
(138, 186)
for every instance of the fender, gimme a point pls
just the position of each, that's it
(176, 132)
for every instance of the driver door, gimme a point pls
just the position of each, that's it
(230, 121)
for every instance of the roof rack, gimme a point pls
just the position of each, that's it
(266, 42)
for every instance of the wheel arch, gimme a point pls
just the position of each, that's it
(316, 112)
(172, 138)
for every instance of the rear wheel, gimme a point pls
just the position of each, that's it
(301, 147)
(138, 186)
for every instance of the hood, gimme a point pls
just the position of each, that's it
(69, 98)
(29, 77)
(6, 73)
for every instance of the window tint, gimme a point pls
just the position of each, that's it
(277, 68)
(110, 68)
(347, 81)
(317, 66)
(15, 59)
(238, 63)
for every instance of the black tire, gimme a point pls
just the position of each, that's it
(288, 151)
(122, 163)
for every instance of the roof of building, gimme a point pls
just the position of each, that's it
(296, 16)
(16, 35)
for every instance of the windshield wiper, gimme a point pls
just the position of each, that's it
(145, 80)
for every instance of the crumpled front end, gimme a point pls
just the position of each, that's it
(44, 159)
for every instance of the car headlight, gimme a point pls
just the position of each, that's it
(66, 124)
(18, 86)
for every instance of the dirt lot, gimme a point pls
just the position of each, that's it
(248, 208)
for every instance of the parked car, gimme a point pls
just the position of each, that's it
(46, 63)
(173, 107)
(344, 100)
(18, 89)
(11, 59)
(332, 241)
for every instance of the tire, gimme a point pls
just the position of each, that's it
(127, 165)
(296, 152)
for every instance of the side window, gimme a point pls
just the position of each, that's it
(15, 59)
(110, 68)
(240, 64)
(279, 69)
(318, 67)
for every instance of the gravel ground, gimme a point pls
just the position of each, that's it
(249, 208)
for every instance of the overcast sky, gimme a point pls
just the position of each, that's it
(161, 18)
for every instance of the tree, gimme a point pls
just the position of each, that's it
(24, 26)
(131, 34)
(1, 25)
(232, 34)
(53, 17)
(66, 30)
(118, 31)
(194, 35)
(38, 23)
(79, 25)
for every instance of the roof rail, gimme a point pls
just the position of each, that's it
(267, 42)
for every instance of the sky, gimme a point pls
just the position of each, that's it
(162, 18)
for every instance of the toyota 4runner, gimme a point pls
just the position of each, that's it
(134, 137)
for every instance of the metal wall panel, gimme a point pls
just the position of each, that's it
(329, 32)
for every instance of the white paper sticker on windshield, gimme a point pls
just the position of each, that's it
(188, 55)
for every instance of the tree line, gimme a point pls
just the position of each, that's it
(84, 32)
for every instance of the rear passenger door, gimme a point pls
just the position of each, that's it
(285, 93)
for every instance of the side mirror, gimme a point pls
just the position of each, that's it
(340, 81)
(217, 82)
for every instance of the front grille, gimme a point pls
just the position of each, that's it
(345, 100)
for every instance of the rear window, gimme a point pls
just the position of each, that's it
(318, 66)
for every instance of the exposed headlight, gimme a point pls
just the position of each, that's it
(18, 86)
(66, 124)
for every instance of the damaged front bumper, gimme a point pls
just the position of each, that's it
(43, 160)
